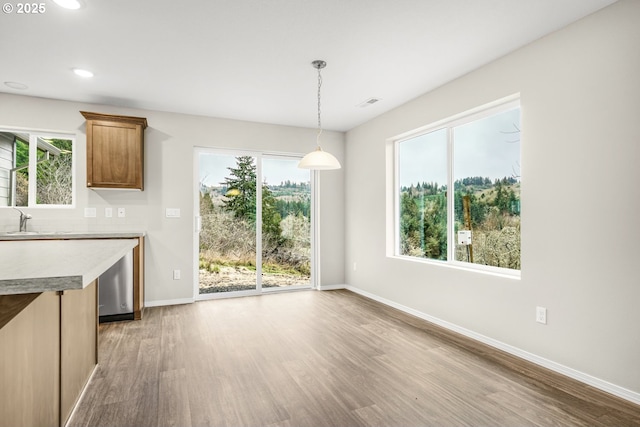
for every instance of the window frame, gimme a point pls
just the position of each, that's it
(449, 123)
(34, 134)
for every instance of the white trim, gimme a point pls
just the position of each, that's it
(32, 137)
(598, 383)
(392, 199)
(228, 294)
(162, 303)
(459, 265)
(392, 177)
(197, 220)
(285, 289)
(288, 288)
(472, 114)
(47, 132)
(451, 197)
(315, 229)
(251, 292)
(259, 159)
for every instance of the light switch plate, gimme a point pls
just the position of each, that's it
(172, 212)
(89, 212)
(108, 212)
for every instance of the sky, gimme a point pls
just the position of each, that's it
(488, 147)
(213, 169)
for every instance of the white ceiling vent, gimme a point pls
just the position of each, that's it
(368, 102)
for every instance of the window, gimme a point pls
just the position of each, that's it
(478, 223)
(36, 169)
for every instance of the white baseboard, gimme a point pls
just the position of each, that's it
(549, 364)
(161, 303)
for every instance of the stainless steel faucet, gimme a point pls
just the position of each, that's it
(23, 220)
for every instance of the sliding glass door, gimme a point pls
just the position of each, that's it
(254, 223)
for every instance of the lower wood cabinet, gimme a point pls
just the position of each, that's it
(48, 350)
(78, 344)
(30, 363)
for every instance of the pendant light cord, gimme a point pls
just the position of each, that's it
(318, 159)
(319, 120)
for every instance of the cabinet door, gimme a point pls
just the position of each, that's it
(78, 341)
(114, 154)
(30, 363)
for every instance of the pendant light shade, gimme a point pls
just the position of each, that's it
(319, 159)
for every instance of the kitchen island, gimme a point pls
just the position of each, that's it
(56, 265)
(138, 253)
(48, 324)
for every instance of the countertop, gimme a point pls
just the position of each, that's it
(44, 235)
(57, 265)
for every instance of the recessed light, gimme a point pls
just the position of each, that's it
(16, 85)
(83, 73)
(69, 4)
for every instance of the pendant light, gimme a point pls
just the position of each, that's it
(318, 159)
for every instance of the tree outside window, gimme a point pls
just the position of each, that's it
(35, 169)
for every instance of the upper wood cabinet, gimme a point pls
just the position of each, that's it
(115, 151)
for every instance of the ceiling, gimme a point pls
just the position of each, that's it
(251, 59)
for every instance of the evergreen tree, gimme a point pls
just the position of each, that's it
(270, 217)
(435, 227)
(206, 204)
(241, 197)
(502, 198)
(241, 189)
(409, 224)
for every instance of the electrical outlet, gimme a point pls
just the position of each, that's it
(89, 212)
(541, 315)
(108, 212)
(121, 213)
(176, 274)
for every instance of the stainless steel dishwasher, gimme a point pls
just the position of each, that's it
(115, 291)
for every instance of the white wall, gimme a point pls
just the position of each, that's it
(580, 98)
(169, 142)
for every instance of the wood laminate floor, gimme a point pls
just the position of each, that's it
(330, 358)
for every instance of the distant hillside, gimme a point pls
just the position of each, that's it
(494, 212)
